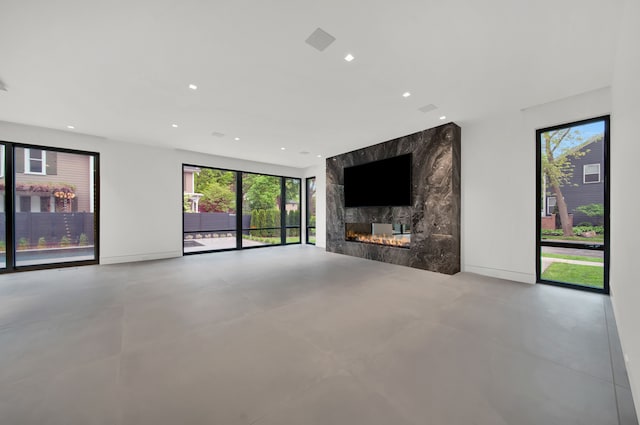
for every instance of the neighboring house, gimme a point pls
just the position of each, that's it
(189, 185)
(586, 186)
(48, 181)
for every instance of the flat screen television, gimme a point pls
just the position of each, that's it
(379, 183)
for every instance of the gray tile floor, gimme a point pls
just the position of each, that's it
(295, 335)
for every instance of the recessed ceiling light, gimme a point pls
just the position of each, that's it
(282, 149)
(349, 57)
(319, 156)
(236, 138)
(70, 127)
(193, 87)
(174, 125)
(443, 117)
(406, 94)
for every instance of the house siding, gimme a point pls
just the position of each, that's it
(71, 168)
(578, 193)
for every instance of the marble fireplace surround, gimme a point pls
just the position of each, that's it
(434, 215)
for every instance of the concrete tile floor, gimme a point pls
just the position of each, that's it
(295, 335)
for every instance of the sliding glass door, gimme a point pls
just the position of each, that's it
(573, 205)
(49, 207)
(226, 209)
(209, 205)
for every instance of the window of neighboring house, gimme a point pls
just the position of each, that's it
(591, 173)
(25, 204)
(34, 161)
(551, 204)
(45, 204)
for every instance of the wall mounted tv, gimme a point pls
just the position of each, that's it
(379, 183)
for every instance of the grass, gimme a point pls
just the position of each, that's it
(312, 239)
(596, 238)
(273, 241)
(573, 257)
(592, 276)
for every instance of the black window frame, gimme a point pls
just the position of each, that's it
(606, 179)
(307, 209)
(239, 204)
(10, 208)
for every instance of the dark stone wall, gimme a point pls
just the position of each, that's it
(434, 215)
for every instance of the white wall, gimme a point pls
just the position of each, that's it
(625, 198)
(320, 173)
(499, 184)
(140, 189)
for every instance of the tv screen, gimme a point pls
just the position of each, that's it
(379, 183)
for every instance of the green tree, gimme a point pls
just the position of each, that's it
(208, 175)
(592, 210)
(559, 148)
(260, 192)
(217, 198)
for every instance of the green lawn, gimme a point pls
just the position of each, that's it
(595, 239)
(573, 257)
(312, 239)
(273, 241)
(592, 276)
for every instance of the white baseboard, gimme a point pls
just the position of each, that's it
(139, 257)
(501, 274)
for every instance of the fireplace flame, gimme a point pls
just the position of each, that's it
(378, 239)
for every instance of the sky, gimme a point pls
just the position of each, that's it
(586, 131)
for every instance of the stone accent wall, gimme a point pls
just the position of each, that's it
(434, 215)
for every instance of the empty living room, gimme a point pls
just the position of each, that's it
(338, 212)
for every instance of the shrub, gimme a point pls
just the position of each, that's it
(83, 240)
(261, 222)
(23, 243)
(577, 230)
(254, 219)
(592, 210)
(65, 241)
(42, 242)
(273, 220)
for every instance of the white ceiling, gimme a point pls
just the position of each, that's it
(121, 69)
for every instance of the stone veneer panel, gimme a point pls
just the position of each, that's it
(434, 215)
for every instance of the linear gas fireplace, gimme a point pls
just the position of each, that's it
(396, 235)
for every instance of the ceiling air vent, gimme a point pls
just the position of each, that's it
(320, 39)
(427, 108)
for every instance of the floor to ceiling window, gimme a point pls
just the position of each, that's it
(49, 207)
(292, 209)
(3, 219)
(209, 204)
(573, 205)
(311, 210)
(226, 209)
